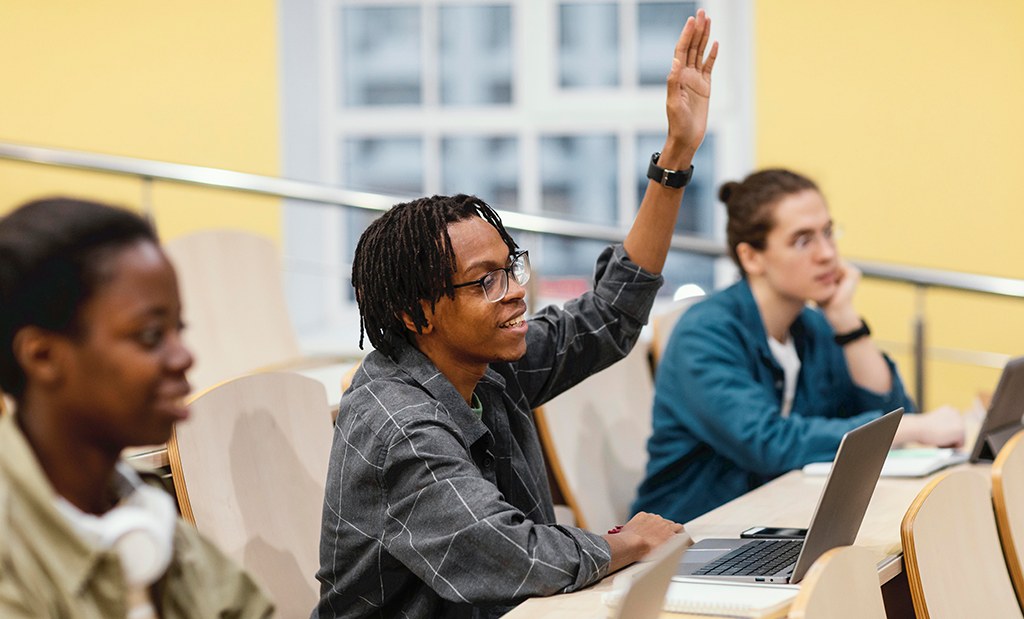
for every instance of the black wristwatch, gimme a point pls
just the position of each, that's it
(668, 178)
(845, 338)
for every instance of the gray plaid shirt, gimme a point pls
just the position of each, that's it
(432, 512)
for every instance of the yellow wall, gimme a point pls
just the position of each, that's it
(909, 116)
(189, 81)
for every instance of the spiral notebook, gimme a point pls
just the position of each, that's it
(722, 599)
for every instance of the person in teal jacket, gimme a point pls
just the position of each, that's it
(756, 382)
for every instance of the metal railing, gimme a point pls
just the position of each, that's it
(148, 171)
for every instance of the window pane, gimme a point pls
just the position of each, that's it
(485, 166)
(696, 215)
(476, 55)
(385, 165)
(380, 56)
(588, 45)
(579, 179)
(658, 28)
(565, 267)
(684, 268)
(392, 165)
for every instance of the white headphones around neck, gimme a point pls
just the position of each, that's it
(140, 529)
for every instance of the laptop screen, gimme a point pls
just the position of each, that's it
(848, 489)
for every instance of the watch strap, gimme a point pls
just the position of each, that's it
(668, 178)
(845, 338)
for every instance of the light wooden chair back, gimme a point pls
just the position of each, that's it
(951, 551)
(1008, 500)
(842, 584)
(234, 304)
(349, 376)
(249, 468)
(595, 438)
(663, 323)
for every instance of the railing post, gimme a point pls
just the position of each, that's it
(919, 345)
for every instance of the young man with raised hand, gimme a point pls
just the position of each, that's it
(437, 500)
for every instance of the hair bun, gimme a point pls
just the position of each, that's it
(726, 191)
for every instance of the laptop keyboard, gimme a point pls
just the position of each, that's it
(758, 558)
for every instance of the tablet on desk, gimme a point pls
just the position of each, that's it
(1005, 413)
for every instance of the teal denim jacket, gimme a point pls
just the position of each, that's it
(717, 428)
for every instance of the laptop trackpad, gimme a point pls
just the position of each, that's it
(705, 551)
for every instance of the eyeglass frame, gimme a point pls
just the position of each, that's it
(523, 256)
(829, 235)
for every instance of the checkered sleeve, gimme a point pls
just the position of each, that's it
(567, 345)
(455, 531)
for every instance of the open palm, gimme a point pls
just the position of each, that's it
(689, 82)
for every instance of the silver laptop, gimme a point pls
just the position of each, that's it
(836, 520)
(1004, 413)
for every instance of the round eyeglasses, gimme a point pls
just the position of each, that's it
(495, 283)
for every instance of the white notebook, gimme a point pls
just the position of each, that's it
(912, 462)
(723, 599)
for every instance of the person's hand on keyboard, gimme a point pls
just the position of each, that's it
(638, 537)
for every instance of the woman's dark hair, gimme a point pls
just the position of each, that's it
(405, 257)
(751, 206)
(53, 257)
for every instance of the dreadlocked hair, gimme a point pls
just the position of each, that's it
(405, 257)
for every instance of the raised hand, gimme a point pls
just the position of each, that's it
(689, 86)
(689, 83)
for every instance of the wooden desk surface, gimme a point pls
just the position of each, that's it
(788, 501)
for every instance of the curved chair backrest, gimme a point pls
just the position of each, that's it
(663, 323)
(952, 554)
(232, 286)
(1008, 499)
(842, 584)
(249, 469)
(595, 439)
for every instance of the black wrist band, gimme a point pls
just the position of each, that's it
(845, 338)
(668, 178)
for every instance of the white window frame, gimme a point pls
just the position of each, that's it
(539, 107)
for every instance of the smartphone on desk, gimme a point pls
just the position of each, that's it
(774, 533)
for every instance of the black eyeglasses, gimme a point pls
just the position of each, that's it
(495, 283)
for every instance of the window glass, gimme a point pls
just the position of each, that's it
(588, 45)
(476, 55)
(391, 165)
(564, 266)
(684, 268)
(658, 26)
(482, 165)
(380, 56)
(579, 177)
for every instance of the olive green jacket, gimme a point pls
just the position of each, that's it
(47, 570)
